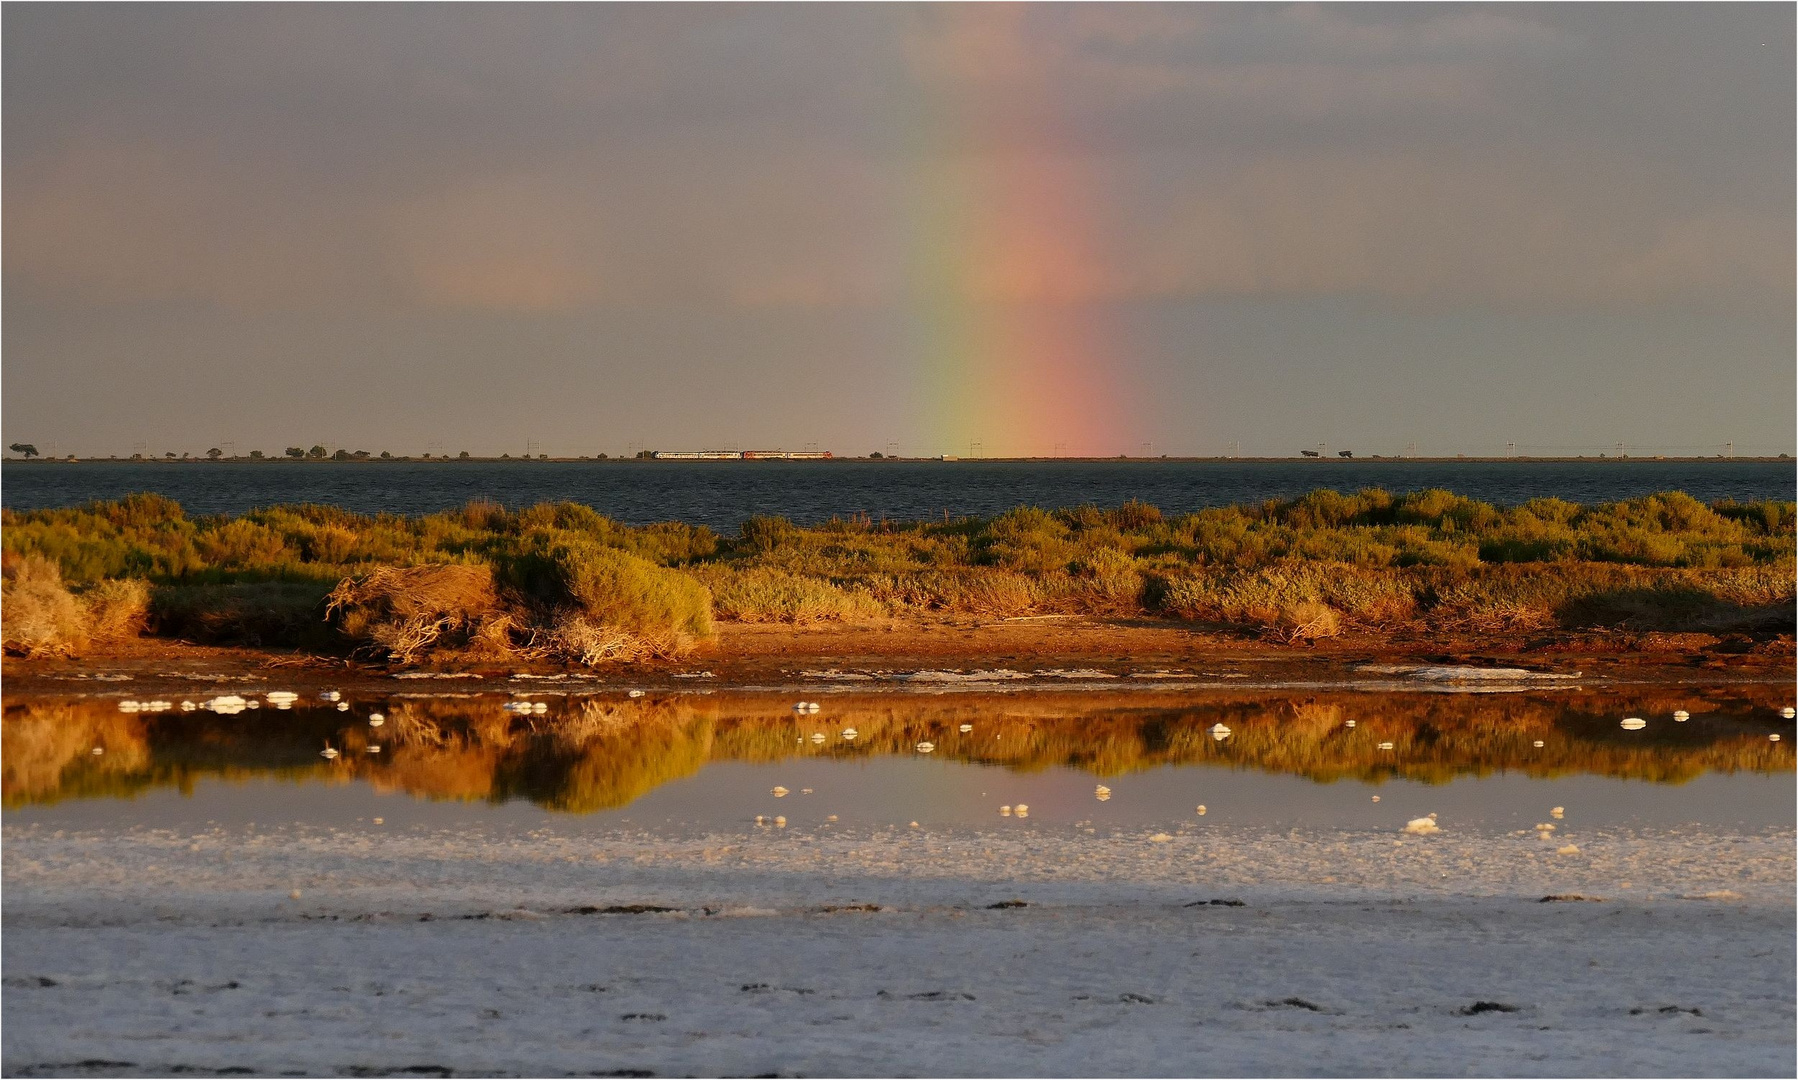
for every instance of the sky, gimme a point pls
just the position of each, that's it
(969, 229)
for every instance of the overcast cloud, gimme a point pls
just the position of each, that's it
(467, 226)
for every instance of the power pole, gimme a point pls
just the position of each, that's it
(1510, 449)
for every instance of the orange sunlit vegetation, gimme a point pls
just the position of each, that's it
(591, 754)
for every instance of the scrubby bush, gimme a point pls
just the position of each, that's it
(38, 614)
(565, 580)
(402, 611)
(567, 575)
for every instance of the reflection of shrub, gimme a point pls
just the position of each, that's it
(40, 616)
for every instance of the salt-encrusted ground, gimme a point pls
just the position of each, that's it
(1352, 953)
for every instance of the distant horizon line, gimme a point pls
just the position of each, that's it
(1147, 450)
(365, 458)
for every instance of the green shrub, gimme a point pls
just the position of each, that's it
(570, 573)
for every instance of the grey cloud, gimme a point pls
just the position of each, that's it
(420, 162)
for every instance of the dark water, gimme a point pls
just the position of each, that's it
(722, 494)
(1493, 762)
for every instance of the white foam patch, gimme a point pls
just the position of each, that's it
(1461, 673)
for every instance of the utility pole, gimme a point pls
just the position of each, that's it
(1510, 449)
(1235, 448)
(1729, 449)
(1619, 449)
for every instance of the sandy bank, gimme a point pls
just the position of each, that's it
(781, 656)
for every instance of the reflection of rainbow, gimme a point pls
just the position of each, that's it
(1004, 330)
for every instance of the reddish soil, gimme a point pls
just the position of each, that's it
(767, 655)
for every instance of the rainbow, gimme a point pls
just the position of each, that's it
(1004, 332)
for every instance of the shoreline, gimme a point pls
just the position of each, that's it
(1018, 655)
(1170, 459)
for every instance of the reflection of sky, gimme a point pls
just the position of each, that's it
(935, 793)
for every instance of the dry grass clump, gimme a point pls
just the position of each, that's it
(1301, 623)
(116, 609)
(42, 617)
(768, 594)
(977, 590)
(404, 610)
(38, 614)
(582, 640)
(1299, 601)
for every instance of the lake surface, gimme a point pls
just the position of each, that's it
(722, 494)
(716, 884)
(702, 762)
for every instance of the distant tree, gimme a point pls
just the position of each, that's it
(463, 455)
(137, 457)
(876, 455)
(170, 455)
(505, 457)
(185, 455)
(362, 455)
(24, 448)
(318, 452)
(385, 456)
(602, 457)
(215, 453)
(542, 457)
(341, 455)
(295, 452)
(257, 454)
(645, 455)
(1345, 453)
